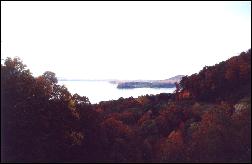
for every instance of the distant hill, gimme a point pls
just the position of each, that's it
(167, 83)
(177, 78)
(173, 79)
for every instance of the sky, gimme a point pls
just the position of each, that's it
(123, 40)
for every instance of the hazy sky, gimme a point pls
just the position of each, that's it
(123, 40)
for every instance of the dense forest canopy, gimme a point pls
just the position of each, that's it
(219, 81)
(207, 119)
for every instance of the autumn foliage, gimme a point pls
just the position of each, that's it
(215, 83)
(207, 119)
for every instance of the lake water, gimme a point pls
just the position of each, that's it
(98, 91)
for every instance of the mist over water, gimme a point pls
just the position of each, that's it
(98, 91)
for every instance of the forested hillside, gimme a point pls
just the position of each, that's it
(207, 119)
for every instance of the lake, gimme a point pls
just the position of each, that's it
(98, 91)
